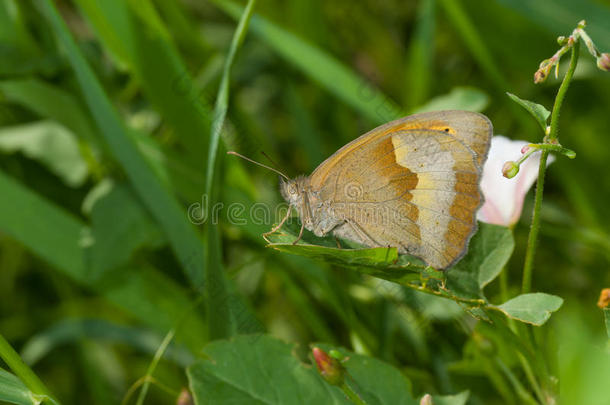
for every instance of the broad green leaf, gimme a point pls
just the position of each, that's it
(460, 98)
(259, 369)
(327, 70)
(457, 399)
(164, 208)
(534, 308)
(110, 244)
(13, 391)
(52, 145)
(488, 251)
(374, 380)
(54, 235)
(607, 320)
(538, 111)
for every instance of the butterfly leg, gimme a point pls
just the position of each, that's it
(300, 234)
(278, 226)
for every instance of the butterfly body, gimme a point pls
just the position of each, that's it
(411, 184)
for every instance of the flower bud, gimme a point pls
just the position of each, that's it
(330, 368)
(543, 70)
(604, 299)
(525, 148)
(603, 62)
(426, 400)
(510, 169)
(184, 398)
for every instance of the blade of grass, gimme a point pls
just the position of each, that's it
(146, 48)
(13, 391)
(321, 67)
(54, 235)
(164, 208)
(216, 290)
(466, 29)
(25, 374)
(420, 56)
(559, 16)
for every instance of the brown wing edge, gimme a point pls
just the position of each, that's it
(482, 200)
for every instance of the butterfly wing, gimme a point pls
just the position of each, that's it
(411, 183)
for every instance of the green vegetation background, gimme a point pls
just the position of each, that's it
(98, 259)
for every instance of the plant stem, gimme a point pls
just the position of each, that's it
(532, 240)
(562, 91)
(25, 374)
(351, 394)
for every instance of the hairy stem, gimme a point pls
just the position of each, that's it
(532, 241)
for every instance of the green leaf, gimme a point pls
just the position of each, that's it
(50, 102)
(13, 391)
(360, 258)
(164, 208)
(607, 320)
(54, 235)
(20, 51)
(374, 380)
(488, 252)
(110, 244)
(52, 145)
(459, 98)
(534, 308)
(136, 36)
(71, 331)
(327, 70)
(539, 112)
(259, 369)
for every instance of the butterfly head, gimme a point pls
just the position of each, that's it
(293, 190)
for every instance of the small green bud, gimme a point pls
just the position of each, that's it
(562, 40)
(510, 169)
(330, 368)
(603, 62)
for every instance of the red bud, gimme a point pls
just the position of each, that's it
(330, 368)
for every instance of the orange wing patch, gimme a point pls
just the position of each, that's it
(423, 173)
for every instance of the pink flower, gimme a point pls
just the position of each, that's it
(504, 197)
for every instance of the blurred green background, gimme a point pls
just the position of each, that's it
(98, 258)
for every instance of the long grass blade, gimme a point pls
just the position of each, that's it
(164, 208)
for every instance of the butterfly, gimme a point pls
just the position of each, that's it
(412, 183)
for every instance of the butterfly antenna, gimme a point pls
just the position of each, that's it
(273, 162)
(257, 163)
